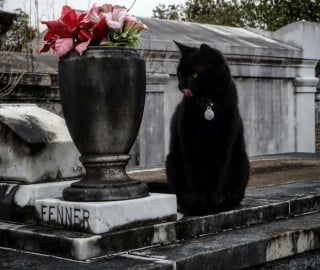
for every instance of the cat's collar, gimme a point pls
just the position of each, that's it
(208, 105)
(205, 102)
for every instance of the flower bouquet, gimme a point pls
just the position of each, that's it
(108, 24)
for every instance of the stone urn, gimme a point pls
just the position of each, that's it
(102, 95)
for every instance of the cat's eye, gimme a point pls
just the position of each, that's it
(195, 75)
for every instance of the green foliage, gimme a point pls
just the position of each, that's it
(170, 12)
(273, 14)
(20, 33)
(263, 14)
(130, 39)
(214, 12)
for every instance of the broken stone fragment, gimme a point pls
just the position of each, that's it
(35, 146)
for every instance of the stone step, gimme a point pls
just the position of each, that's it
(242, 248)
(261, 205)
(245, 248)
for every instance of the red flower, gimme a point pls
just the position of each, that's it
(67, 33)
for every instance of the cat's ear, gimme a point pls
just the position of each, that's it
(183, 48)
(206, 49)
(211, 53)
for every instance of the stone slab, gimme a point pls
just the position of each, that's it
(28, 194)
(278, 243)
(101, 217)
(305, 261)
(33, 146)
(270, 206)
(242, 248)
(17, 201)
(80, 245)
(11, 260)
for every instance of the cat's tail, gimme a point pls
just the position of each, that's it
(158, 186)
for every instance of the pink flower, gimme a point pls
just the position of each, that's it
(93, 15)
(132, 24)
(115, 15)
(95, 21)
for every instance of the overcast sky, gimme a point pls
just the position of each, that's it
(49, 9)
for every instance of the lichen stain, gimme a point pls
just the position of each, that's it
(290, 244)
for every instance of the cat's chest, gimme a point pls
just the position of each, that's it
(199, 125)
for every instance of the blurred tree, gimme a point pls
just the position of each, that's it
(21, 33)
(263, 14)
(214, 12)
(170, 12)
(273, 14)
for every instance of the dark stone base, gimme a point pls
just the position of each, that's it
(106, 180)
(107, 191)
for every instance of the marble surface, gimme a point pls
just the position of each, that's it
(17, 201)
(33, 146)
(28, 194)
(101, 217)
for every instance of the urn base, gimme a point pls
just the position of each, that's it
(106, 180)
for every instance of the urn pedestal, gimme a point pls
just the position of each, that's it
(102, 94)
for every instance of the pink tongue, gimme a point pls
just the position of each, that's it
(187, 92)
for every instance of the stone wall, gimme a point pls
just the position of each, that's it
(317, 138)
(274, 73)
(317, 117)
(38, 88)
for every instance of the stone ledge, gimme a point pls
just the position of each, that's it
(265, 170)
(305, 261)
(260, 206)
(237, 249)
(243, 248)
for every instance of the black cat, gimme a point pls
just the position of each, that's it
(207, 165)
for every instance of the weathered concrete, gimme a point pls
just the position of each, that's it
(260, 206)
(305, 261)
(17, 201)
(267, 220)
(239, 249)
(33, 146)
(303, 35)
(11, 260)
